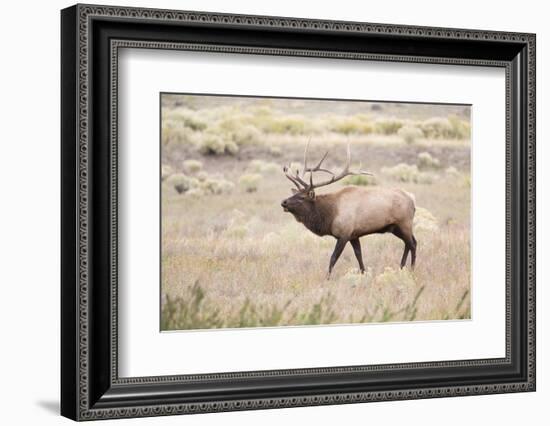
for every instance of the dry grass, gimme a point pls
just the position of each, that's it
(235, 259)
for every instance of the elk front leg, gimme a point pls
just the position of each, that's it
(356, 244)
(340, 244)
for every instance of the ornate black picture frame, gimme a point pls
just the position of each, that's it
(91, 36)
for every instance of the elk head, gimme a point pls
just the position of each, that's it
(302, 202)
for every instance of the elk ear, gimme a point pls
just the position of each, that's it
(311, 194)
(294, 190)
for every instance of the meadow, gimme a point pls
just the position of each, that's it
(231, 257)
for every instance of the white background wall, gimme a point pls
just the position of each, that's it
(29, 211)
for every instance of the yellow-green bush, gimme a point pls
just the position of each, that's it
(194, 192)
(388, 126)
(410, 134)
(407, 173)
(177, 134)
(425, 161)
(292, 124)
(446, 128)
(217, 186)
(247, 135)
(436, 127)
(195, 311)
(452, 172)
(185, 117)
(424, 221)
(402, 172)
(180, 182)
(216, 144)
(192, 166)
(354, 278)
(165, 171)
(460, 128)
(356, 124)
(391, 277)
(250, 182)
(261, 166)
(361, 180)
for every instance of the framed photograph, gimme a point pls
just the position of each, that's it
(263, 212)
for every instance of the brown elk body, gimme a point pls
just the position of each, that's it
(352, 212)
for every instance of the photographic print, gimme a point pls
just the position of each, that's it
(301, 212)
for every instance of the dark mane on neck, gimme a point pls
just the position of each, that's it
(319, 219)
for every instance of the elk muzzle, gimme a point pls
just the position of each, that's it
(284, 205)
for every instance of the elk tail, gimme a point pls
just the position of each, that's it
(412, 197)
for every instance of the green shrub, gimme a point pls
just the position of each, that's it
(202, 176)
(291, 124)
(354, 278)
(261, 166)
(193, 311)
(231, 148)
(192, 166)
(461, 129)
(425, 178)
(250, 182)
(177, 134)
(185, 117)
(391, 277)
(195, 193)
(216, 144)
(424, 221)
(217, 186)
(410, 134)
(446, 128)
(452, 172)
(360, 180)
(357, 124)
(165, 171)
(407, 173)
(180, 182)
(388, 126)
(247, 135)
(425, 161)
(402, 172)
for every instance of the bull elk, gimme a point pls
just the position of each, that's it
(351, 212)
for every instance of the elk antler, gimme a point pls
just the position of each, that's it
(345, 172)
(317, 168)
(302, 185)
(296, 179)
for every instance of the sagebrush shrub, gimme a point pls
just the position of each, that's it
(250, 182)
(360, 180)
(192, 166)
(388, 126)
(265, 167)
(424, 221)
(410, 134)
(425, 161)
(165, 171)
(408, 173)
(180, 182)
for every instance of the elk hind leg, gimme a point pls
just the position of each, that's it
(413, 251)
(356, 244)
(410, 245)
